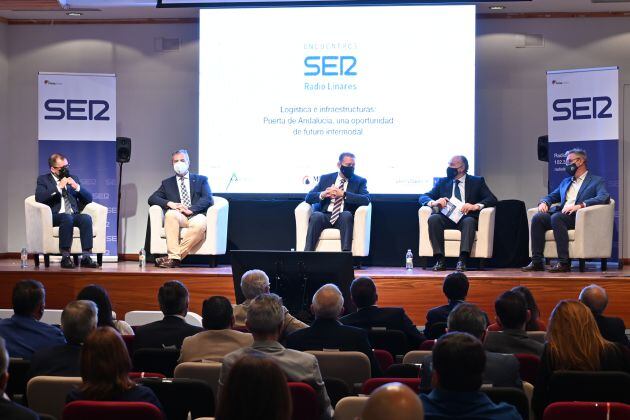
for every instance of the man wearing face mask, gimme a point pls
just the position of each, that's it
(335, 198)
(470, 190)
(66, 198)
(185, 198)
(580, 189)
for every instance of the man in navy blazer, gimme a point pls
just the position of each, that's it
(185, 198)
(611, 328)
(335, 198)
(470, 190)
(66, 198)
(579, 190)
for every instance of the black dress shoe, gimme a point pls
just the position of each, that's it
(461, 266)
(534, 266)
(87, 262)
(440, 265)
(66, 262)
(560, 268)
(170, 263)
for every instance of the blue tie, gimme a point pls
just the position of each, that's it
(458, 194)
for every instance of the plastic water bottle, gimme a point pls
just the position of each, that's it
(142, 258)
(24, 258)
(409, 260)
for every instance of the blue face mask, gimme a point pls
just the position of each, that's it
(347, 171)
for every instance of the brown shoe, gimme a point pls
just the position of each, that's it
(560, 268)
(169, 263)
(160, 260)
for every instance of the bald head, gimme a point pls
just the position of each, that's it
(327, 302)
(393, 398)
(595, 298)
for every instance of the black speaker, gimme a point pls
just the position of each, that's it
(543, 148)
(123, 149)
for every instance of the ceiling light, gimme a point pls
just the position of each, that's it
(74, 14)
(496, 7)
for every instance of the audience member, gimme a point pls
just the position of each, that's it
(265, 318)
(255, 283)
(611, 328)
(501, 369)
(78, 319)
(98, 295)
(327, 332)
(368, 315)
(458, 364)
(534, 322)
(23, 332)
(575, 343)
(219, 338)
(9, 409)
(171, 330)
(393, 398)
(255, 389)
(512, 316)
(105, 366)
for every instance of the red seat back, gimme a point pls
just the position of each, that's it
(304, 399)
(587, 410)
(384, 359)
(373, 383)
(528, 367)
(139, 375)
(427, 345)
(106, 410)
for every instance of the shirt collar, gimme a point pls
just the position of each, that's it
(580, 178)
(186, 177)
(461, 180)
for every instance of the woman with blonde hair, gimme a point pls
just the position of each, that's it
(575, 343)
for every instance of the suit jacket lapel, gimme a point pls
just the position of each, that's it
(176, 187)
(192, 191)
(468, 185)
(583, 187)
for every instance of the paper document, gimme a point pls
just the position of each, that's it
(453, 209)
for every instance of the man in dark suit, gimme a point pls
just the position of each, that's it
(78, 319)
(172, 329)
(327, 332)
(470, 190)
(335, 198)
(185, 198)
(611, 328)
(66, 198)
(9, 409)
(368, 315)
(579, 190)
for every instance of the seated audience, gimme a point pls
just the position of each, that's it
(534, 323)
(105, 366)
(254, 283)
(9, 409)
(265, 318)
(78, 319)
(368, 315)
(458, 364)
(98, 295)
(393, 398)
(219, 338)
(327, 332)
(575, 343)
(611, 328)
(171, 330)
(23, 332)
(255, 389)
(501, 369)
(512, 316)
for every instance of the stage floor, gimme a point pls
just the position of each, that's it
(133, 288)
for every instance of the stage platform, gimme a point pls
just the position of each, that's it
(132, 288)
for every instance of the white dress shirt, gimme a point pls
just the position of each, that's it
(573, 190)
(344, 188)
(62, 209)
(186, 183)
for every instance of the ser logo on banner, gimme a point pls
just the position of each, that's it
(77, 109)
(330, 65)
(582, 108)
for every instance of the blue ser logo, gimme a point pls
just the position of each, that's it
(76, 109)
(330, 65)
(582, 108)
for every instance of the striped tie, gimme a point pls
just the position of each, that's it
(185, 196)
(337, 204)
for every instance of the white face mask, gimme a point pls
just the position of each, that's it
(180, 168)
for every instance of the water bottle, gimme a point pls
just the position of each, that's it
(24, 258)
(142, 258)
(409, 260)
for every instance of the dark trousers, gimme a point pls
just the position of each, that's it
(66, 223)
(560, 223)
(438, 223)
(321, 220)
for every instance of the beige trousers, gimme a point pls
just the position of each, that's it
(195, 233)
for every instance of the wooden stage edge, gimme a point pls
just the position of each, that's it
(132, 288)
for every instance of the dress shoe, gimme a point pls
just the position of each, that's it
(160, 260)
(534, 266)
(87, 262)
(560, 268)
(461, 266)
(440, 265)
(66, 262)
(170, 263)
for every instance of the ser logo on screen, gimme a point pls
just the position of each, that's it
(582, 108)
(330, 65)
(76, 109)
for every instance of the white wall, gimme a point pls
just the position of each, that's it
(157, 100)
(4, 93)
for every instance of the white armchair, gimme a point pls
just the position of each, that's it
(330, 239)
(484, 237)
(591, 238)
(43, 238)
(215, 242)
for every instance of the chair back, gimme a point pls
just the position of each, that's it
(537, 335)
(47, 394)
(179, 397)
(605, 386)
(136, 376)
(384, 359)
(336, 389)
(513, 396)
(427, 345)
(349, 408)
(106, 410)
(373, 383)
(587, 410)
(353, 367)
(18, 376)
(402, 370)
(416, 356)
(528, 366)
(137, 318)
(156, 360)
(394, 341)
(304, 399)
(208, 372)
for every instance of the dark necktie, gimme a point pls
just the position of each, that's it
(458, 193)
(337, 205)
(66, 201)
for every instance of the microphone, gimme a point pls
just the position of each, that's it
(232, 178)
